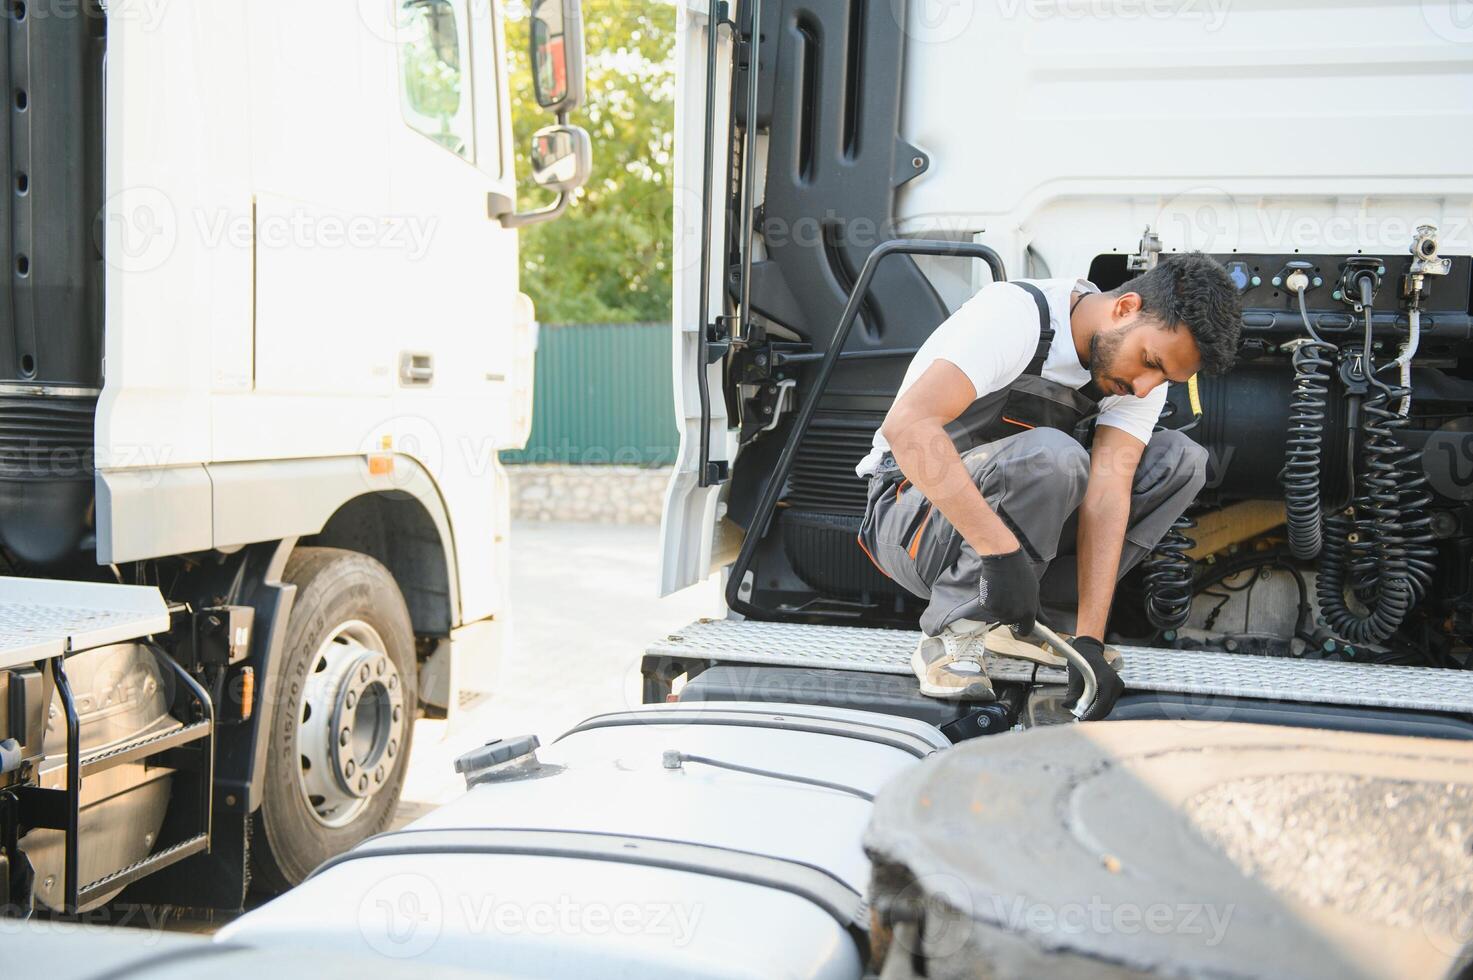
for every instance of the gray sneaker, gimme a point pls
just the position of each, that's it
(952, 665)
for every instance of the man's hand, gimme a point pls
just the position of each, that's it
(1008, 591)
(1108, 686)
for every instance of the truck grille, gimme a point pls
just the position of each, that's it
(823, 473)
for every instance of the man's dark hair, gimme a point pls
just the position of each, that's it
(1193, 289)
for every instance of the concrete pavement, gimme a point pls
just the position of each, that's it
(583, 610)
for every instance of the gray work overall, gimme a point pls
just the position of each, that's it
(1034, 480)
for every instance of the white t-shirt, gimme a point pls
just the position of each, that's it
(993, 337)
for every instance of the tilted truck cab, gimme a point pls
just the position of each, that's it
(854, 172)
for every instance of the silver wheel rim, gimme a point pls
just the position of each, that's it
(350, 730)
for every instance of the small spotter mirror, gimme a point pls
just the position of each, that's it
(561, 157)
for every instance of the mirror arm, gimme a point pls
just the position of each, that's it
(500, 207)
(503, 208)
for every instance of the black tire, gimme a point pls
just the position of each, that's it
(333, 587)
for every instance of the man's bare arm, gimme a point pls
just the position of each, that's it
(915, 429)
(1103, 517)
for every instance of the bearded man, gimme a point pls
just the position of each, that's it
(1027, 419)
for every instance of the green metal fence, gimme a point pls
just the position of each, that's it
(603, 395)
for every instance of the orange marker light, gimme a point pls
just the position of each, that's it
(247, 692)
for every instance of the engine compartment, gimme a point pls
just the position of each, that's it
(1340, 473)
(1333, 523)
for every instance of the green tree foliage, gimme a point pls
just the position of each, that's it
(432, 72)
(608, 258)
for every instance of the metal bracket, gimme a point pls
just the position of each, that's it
(1148, 253)
(716, 350)
(775, 400)
(754, 365)
(503, 208)
(910, 162)
(1426, 263)
(1425, 260)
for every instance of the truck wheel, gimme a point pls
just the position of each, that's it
(341, 730)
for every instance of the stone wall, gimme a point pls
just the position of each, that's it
(597, 494)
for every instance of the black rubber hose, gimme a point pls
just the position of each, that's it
(1169, 575)
(1382, 548)
(1300, 476)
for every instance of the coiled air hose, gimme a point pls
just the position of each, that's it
(1168, 570)
(1300, 477)
(1169, 576)
(1382, 547)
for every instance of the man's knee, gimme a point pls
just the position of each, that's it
(1049, 456)
(1173, 460)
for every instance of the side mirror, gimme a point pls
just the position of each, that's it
(557, 54)
(562, 157)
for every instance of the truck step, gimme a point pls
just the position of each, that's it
(142, 748)
(42, 618)
(44, 622)
(156, 861)
(1193, 672)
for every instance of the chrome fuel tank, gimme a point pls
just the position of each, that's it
(121, 694)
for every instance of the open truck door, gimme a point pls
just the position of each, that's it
(693, 499)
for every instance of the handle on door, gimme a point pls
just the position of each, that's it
(416, 367)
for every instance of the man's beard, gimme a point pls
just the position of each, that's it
(1104, 350)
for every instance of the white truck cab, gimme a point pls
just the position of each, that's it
(262, 343)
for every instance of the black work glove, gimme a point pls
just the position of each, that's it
(1008, 591)
(1108, 686)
